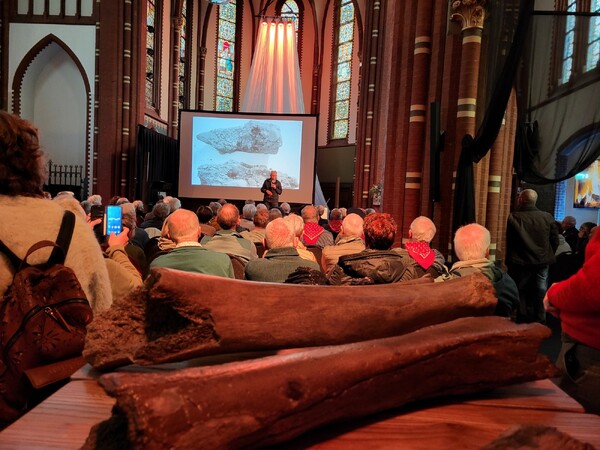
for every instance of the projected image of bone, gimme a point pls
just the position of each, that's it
(240, 175)
(253, 137)
(242, 153)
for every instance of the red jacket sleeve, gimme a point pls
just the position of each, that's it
(581, 292)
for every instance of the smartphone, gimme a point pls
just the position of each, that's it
(97, 212)
(113, 220)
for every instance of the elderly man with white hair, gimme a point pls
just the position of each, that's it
(472, 247)
(349, 241)
(417, 250)
(282, 257)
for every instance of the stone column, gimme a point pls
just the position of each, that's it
(176, 23)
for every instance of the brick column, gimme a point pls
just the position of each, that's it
(417, 127)
(470, 15)
(176, 23)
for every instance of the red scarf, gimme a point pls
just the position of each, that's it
(421, 253)
(335, 225)
(312, 232)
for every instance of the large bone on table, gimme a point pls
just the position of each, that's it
(181, 315)
(270, 400)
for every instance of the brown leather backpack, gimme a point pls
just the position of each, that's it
(43, 318)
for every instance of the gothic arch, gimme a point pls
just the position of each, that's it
(26, 63)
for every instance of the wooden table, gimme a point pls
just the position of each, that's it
(64, 420)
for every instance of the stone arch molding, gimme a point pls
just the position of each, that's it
(19, 78)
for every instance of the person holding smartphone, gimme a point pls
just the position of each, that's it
(271, 189)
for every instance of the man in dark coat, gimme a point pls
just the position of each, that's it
(531, 240)
(271, 189)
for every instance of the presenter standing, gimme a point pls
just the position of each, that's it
(271, 188)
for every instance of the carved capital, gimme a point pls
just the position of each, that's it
(203, 51)
(468, 13)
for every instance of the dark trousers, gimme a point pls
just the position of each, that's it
(532, 282)
(581, 373)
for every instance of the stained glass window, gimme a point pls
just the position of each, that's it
(567, 59)
(593, 48)
(343, 68)
(291, 10)
(151, 74)
(182, 90)
(226, 44)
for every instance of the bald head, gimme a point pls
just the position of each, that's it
(228, 217)
(297, 224)
(422, 229)
(472, 242)
(183, 226)
(528, 197)
(279, 234)
(352, 225)
(310, 214)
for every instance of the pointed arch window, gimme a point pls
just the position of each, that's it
(593, 47)
(226, 56)
(183, 86)
(342, 69)
(578, 46)
(291, 10)
(153, 39)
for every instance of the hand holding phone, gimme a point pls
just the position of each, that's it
(113, 220)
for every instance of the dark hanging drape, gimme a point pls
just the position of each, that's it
(505, 68)
(559, 131)
(157, 164)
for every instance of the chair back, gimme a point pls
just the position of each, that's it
(318, 252)
(239, 266)
(260, 249)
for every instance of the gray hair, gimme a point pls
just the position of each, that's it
(279, 233)
(423, 229)
(297, 224)
(248, 211)
(472, 242)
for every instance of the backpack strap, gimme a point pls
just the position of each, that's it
(58, 255)
(63, 240)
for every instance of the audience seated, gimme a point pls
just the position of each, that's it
(227, 239)
(282, 257)
(472, 247)
(139, 235)
(377, 264)
(188, 254)
(349, 241)
(297, 225)
(275, 213)
(160, 211)
(260, 220)
(417, 251)
(583, 237)
(173, 202)
(314, 234)
(22, 175)
(215, 207)
(334, 225)
(205, 215)
(569, 231)
(124, 276)
(135, 252)
(285, 209)
(140, 211)
(247, 221)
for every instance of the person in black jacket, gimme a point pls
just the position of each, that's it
(271, 189)
(531, 240)
(377, 264)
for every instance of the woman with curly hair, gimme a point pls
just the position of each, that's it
(27, 217)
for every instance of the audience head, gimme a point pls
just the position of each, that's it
(221, 201)
(422, 229)
(262, 206)
(584, 230)
(344, 212)
(275, 213)
(47, 195)
(121, 201)
(22, 162)
(261, 218)
(248, 211)
(129, 217)
(568, 222)
(320, 210)
(285, 208)
(297, 224)
(215, 207)
(380, 231)
(250, 202)
(352, 225)
(139, 206)
(173, 202)
(228, 217)
(335, 214)
(528, 197)
(279, 234)
(310, 214)
(95, 199)
(369, 211)
(183, 226)
(161, 210)
(472, 242)
(204, 214)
